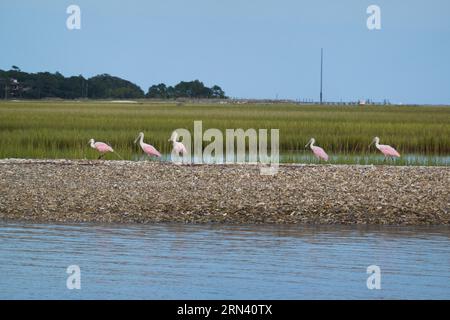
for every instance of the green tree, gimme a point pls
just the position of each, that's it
(186, 89)
(106, 86)
(217, 92)
(158, 91)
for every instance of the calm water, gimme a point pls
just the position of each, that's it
(170, 261)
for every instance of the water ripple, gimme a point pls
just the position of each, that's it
(176, 261)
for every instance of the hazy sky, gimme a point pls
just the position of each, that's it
(251, 48)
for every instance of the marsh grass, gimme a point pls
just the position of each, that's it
(62, 129)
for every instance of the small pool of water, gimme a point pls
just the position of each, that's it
(305, 156)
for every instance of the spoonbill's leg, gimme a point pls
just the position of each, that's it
(101, 156)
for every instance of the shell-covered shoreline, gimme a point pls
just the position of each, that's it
(148, 192)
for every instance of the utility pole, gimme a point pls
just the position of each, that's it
(321, 74)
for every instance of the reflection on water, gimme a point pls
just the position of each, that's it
(170, 261)
(305, 156)
(405, 159)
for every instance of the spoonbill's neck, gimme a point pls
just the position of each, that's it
(311, 145)
(93, 144)
(141, 139)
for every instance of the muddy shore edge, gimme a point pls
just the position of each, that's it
(149, 192)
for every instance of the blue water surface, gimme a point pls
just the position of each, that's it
(178, 261)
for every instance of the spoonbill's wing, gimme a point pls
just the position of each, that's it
(103, 147)
(320, 153)
(388, 151)
(180, 148)
(151, 150)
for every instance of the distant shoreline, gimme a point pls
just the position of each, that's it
(69, 191)
(228, 101)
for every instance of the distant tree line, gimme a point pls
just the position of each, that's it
(18, 84)
(191, 89)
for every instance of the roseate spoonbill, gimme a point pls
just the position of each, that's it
(147, 148)
(317, 151)
(178, 147)
(388, 151)
(101, 147)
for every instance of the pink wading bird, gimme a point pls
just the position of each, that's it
(317, 151)
(101, 147)
(147, 148)
(388, 151)
(178, 147)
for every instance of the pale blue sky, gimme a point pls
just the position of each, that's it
(251, 48)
